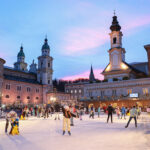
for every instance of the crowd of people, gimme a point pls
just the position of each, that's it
(69, 111)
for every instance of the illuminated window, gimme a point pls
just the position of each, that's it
(71, 91)
(75, 91)
(80, 91)
(145, 91)
(129, 91)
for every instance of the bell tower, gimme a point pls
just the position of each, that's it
(20, 64)
(45, 71)
(116, 52)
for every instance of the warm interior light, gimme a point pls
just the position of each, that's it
(124, 66)
(108, 68)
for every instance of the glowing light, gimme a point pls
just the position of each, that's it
(123, 66)
(52, 99)
(108, 68)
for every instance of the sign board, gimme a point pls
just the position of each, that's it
(134, 95)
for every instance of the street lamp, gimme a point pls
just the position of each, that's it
(52, 99)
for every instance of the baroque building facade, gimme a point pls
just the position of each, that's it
(123, 82)
(20, 85)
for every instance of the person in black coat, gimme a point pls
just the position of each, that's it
(110, 113)
(57, 110)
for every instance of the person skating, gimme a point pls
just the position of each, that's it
(81, 112)
(66, 119)
(7, 122)
(15, 128)
(118, 112)
(133, 115)
(72, 110)
(91, 112)
(99, 111)
(123, 112)
(57, 110)
(110, 113)
(13, 116)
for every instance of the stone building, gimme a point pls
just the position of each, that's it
(20, 85)
(123, 83)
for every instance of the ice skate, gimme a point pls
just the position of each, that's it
(63, 133)
(69, 132)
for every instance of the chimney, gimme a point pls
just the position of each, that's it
(147, 47)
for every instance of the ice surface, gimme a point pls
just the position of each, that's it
(88, 134)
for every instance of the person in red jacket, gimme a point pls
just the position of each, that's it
(66, 119)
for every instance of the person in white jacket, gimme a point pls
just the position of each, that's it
(133, 115)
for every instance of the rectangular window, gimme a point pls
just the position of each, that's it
(8, 86)
(18, 88)
(48, 81)
(145, 91)
(28, 89)
(37, 90)
(102, 93)
(80, 91)
(129, 91)
(48, 64)
(113, 92)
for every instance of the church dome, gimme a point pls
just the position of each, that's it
(45, 45)
(21, 53)
(115, 25)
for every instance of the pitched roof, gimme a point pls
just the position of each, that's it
(21, 79)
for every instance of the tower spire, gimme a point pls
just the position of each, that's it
(115, 24)
(91, 77)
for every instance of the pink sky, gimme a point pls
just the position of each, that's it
(85, 75)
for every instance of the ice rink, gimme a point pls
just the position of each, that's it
(88, 134)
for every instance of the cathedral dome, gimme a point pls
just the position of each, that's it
(21, 53)
(45, 45)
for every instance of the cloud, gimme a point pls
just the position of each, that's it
(79, 41)
(85, 75)
(137, 22)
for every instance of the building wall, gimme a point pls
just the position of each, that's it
(35, 92)
(76, 91)
(112, 90)
(58, 96)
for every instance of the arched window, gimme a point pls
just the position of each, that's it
(7, 96)
(28, 97)
(114, 40)
(18, 97)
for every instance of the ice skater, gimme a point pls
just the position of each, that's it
(123, 112)
(66, 119)
(57, 110)
(133, 115)
(99, 111)
(110, 110)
